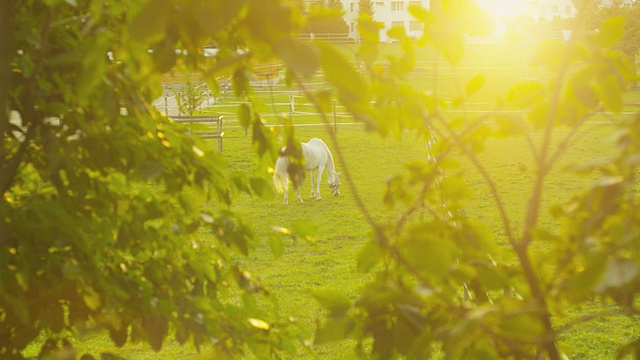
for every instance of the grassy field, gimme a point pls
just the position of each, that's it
(330, 260)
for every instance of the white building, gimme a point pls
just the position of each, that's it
(550, 9)
(620, 3)
(389, 13)
(393, 13)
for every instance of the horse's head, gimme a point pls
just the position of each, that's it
(335, 185)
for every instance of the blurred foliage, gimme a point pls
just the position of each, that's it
(103, 218)
(103, 223)
(629, 42)
(327, 19)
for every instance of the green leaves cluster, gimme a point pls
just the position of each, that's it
(114, 218)
(443, 283)
(327, 19)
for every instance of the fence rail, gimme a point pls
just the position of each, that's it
(342, 38)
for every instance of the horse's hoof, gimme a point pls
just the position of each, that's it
(300, 201)
(318, 198)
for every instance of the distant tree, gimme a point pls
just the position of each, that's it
(102, 198)
(190, 96)
(114, 220)
(328, 19)
(366, 7)
(629, 41)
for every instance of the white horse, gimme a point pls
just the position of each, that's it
(316, 157)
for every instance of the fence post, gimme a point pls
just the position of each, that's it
(292, 106)
(166, 105)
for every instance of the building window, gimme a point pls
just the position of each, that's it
(397, 6)
(379, 3)
(415, 26)
(351, 7)
(397, 24)
(415, 3)
(567, 10)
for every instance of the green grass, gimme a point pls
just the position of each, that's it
(330, 261)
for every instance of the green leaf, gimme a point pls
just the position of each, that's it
(213, 16)
(164, 57)
(342, 74)
(550, 54)
(298, 55)
(611, 92)
(304, 229)
(276, 244)
(369, 256)
(335, 329)
(585, 95)
(455, 188)
(611, 31)
(94, 65)
(453, 47)
(491, 277)
(332, 300)
(369, 30)
(426, 252)
(525, 93)
(150, 169)
(475, 84)
(261, 188)
(397, 32)
(152, 20)
(118, 334)
(368, 52)
(522, 326)
(92, 299)
(508, 126)
(156, 328)
(581, 285)
(244, 115)
(421, 14)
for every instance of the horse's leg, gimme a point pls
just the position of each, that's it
(286, 195)
(319, 181)
(313, 190)
(298, 195)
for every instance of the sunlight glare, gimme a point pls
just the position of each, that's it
(504, 8)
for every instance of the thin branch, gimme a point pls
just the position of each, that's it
(493, 188)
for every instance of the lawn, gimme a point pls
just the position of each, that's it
(329, 261)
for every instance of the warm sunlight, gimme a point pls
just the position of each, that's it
(504, 8)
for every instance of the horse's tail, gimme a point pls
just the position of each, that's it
(280, 176)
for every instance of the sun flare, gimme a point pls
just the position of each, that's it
(504, 8)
